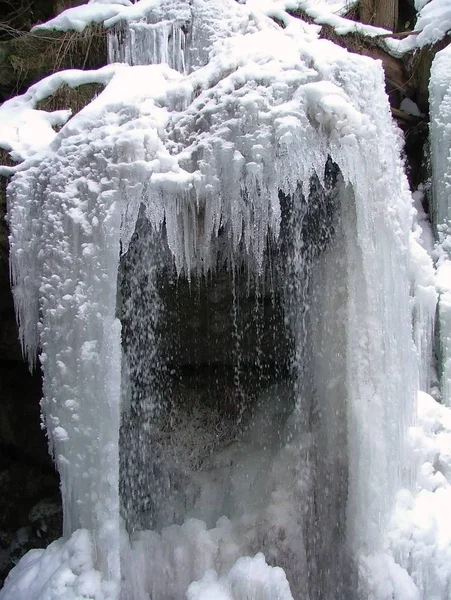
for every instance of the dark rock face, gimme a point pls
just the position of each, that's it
(31, 515)
(221, 319)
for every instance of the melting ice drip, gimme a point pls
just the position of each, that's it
(255, 161)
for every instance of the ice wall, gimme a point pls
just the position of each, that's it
(249, 111)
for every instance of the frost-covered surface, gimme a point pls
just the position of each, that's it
(440, 103)
(252, 110)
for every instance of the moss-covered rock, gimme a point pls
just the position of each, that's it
(29, 57)
(74, 99)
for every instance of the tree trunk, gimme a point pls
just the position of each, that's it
(382, 13)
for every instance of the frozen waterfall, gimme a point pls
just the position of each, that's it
(219, 266)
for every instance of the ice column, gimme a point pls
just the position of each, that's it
(440, 103)
(65, 223)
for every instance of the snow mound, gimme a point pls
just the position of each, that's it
(432, 24)
(63, 571)
(248, 578)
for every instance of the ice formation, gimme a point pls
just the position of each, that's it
(441, 172)
(223, 140)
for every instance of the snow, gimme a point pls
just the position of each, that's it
(107, 13)
(249, 577)
(421, 525)
(24, 130)
(432, 24)
(415, 563)
(212, 119)
(325, 13)
(123, 2)
(80, 17)
(408, 106)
